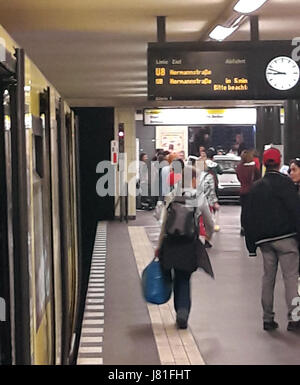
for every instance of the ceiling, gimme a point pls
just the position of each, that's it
(95, 51)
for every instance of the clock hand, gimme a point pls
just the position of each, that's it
(277, 72)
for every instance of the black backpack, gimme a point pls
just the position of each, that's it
(181, 222)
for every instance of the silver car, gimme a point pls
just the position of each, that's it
(228, 185)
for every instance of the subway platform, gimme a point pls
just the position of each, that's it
(225, 325)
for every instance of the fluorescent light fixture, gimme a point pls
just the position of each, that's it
(248, 6)
(220, 33)
(238, 21)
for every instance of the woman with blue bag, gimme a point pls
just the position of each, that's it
(156, 283)
(179, 248)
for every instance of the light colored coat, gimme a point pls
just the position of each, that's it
(209, 188)
(200, 202)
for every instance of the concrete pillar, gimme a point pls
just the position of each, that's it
(291, 130)
(127, 116)
(268, 128)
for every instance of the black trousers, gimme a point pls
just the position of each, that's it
(182, 290)
(243, 200)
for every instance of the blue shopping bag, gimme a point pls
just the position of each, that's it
(156, 283)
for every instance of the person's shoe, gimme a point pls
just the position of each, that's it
(181, 319)
(293, 326)
(207, 245)
(181, 324)
(270, 325)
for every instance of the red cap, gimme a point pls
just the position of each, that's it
(272, 154)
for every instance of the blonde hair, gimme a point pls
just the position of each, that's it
(172, 157)
(247, 156)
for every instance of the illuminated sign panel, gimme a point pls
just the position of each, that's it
(196, 116)
(209, 74)
(230, 70)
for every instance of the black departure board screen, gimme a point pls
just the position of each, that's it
(230, 71)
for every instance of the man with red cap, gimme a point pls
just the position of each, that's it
(272, 223)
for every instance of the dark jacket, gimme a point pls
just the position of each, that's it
(185, 256)
(272, 211)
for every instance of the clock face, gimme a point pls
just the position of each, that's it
(282, 73)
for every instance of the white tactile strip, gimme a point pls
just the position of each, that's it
(91, 340)
(175, 346)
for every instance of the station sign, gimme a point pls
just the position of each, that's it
(196, 116)
(263, 70)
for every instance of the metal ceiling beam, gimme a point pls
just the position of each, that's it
(161, 29)
(254, 28)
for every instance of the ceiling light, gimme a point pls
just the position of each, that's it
(220, 33)
(238, 21)
(248, 6)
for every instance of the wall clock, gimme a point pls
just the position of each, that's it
(282, 73)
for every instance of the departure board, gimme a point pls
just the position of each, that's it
(239, 71)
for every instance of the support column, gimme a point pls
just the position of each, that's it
(268, 128)
(291, 130)
(127, 117)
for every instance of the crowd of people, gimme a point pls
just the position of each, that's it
(270, 220)
(162, 179)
